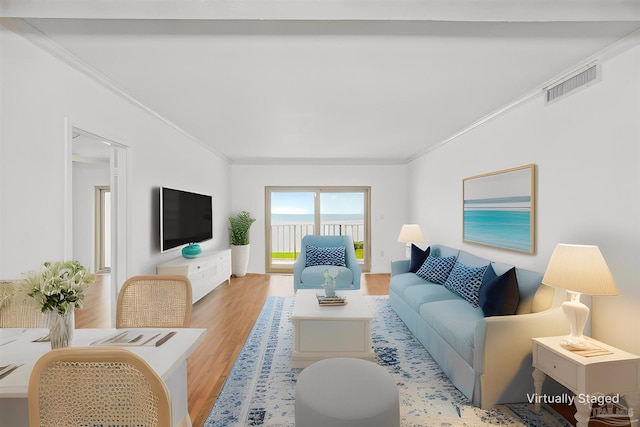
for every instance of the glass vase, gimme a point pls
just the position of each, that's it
(330, 288)
(61, 328)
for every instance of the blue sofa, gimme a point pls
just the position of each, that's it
(487, 358)
(309, 273)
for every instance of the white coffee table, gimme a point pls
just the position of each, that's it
(324, 332)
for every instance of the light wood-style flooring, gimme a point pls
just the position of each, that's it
(228, 313)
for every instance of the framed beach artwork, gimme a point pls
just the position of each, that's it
(499, 209)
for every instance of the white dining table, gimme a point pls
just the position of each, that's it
(169, 360)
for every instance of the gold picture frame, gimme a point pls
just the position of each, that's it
(499, 209)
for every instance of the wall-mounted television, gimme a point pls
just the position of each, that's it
(185, 218)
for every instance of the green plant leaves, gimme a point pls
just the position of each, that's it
(240, 225)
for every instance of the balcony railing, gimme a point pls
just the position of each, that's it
(286, 238)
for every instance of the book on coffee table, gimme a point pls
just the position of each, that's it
(331, 301)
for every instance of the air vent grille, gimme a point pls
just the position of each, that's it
(572, 83)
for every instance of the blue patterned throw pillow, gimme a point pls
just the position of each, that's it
(325, 256)
(466, 282)
(436, 269)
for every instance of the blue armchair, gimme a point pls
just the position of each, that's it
(308, 276)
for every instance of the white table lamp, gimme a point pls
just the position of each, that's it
(580, 269)
(410, 233)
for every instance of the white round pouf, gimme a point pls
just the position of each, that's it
(343, 392)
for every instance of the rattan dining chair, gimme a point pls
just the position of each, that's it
(154, 302)
(97, 386)
(15, 310)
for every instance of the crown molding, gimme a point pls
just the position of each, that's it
(22, 28)
(629, 42)
(435, 10)
(335, 161)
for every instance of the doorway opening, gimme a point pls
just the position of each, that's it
(97, 199)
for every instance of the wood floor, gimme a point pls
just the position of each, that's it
(228, 313)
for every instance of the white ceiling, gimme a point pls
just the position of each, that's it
(339, 91)
(88, 148)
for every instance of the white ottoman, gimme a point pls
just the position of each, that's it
(341, 392)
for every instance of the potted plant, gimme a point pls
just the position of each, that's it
(240, 225)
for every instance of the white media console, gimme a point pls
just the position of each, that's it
(205, 272)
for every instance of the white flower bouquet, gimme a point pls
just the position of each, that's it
(59, 286)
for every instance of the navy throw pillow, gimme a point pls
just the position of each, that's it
(489, 275)
(466, 282)
(418, 256)
(436, 269)
(500, 296)
(325, 256)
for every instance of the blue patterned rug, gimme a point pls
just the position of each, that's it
(261, 386)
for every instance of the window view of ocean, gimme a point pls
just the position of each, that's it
(509, 229)
(344, 215)
(280, 219)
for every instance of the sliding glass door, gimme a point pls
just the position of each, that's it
(293, 212)
(292, 217)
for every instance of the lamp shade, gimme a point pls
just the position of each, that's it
(580, 268)
(411, 233)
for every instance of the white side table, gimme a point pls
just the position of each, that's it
(590, 378)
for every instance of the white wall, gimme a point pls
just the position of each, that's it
(389, 203)
(40, 93)
(586, 148)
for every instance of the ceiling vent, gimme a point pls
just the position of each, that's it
(570, 85)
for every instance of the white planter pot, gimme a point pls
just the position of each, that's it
(239, 260)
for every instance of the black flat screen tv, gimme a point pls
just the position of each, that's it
(185, 218)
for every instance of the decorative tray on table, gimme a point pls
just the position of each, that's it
(331, 301)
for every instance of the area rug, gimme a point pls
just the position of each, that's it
(260, 388)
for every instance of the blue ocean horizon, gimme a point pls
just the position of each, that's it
(280, 219)
(504, 228)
